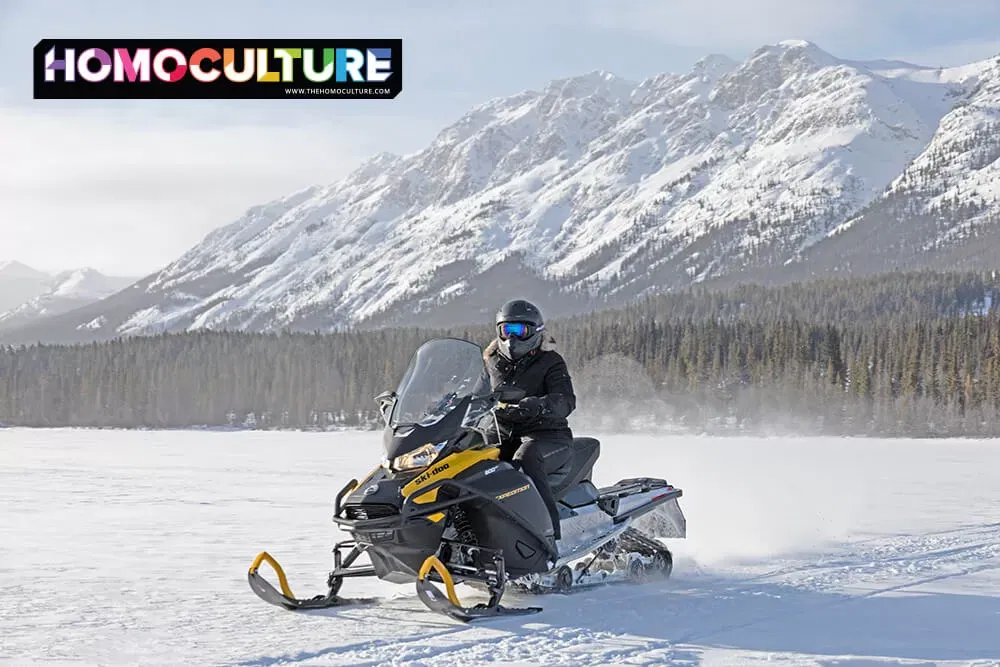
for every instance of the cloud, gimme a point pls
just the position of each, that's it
(849, 28)
(950, 55)
(728, 24)
(128, 192)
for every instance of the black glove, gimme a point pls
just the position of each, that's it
(524, 411)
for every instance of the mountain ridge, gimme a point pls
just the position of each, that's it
(595, 190)
(49, 294)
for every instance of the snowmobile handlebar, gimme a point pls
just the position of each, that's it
(508, 394)
(501, 397)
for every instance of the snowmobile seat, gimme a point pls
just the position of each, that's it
(579, 467)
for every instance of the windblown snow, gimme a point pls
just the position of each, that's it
(132, 548)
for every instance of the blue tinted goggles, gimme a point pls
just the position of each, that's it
(520, 330)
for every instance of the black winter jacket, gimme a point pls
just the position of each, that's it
(543, 373)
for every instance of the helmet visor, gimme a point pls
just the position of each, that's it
(521, 330)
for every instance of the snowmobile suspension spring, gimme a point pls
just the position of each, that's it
(463, 528)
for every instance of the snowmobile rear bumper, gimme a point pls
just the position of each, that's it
(649, 503)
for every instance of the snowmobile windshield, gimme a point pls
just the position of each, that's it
(442, 372)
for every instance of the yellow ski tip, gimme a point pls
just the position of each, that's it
(263, 557)
(434, 563)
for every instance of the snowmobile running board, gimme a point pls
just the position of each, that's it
(449, 604)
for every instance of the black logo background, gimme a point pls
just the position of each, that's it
(221, 88)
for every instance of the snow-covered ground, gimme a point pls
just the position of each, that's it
(132, 548)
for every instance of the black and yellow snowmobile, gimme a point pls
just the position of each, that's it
(442, 507)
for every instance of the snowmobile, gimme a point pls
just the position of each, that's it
(442, 508)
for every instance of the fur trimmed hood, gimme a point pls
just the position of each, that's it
(548, 345)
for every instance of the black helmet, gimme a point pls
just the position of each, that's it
(519, 328)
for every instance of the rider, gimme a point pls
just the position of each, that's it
(535, 429)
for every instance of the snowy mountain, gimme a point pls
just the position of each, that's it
(942, 211)
(61, 293)
(19, 283)
(596, 190)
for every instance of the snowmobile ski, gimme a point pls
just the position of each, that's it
(448, 604)
(285, 598)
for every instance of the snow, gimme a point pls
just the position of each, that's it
(61, 293)
(593, 176)
(127, 547)
(95, 323)
(84, 283)
(795, 44)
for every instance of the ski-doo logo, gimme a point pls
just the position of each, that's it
(427, 475)
(512, 492)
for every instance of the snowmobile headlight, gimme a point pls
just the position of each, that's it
(418, 458)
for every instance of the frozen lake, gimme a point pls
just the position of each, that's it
(132, 548)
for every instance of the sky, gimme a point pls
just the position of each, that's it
(128, 186)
